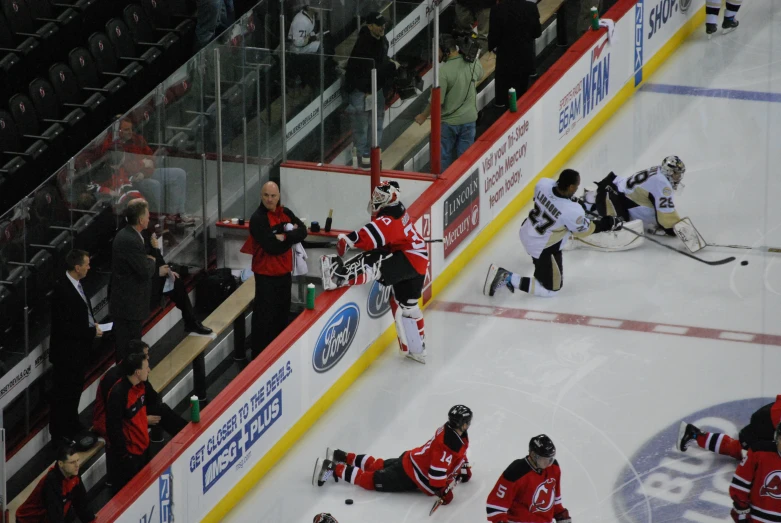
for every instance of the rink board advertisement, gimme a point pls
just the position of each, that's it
(254, 414)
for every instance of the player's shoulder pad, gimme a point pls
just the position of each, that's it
(452, 440)
(517, 469)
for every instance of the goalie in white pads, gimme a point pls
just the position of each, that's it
(554, 217)
(396, 256)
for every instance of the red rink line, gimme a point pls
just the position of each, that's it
(607, 323)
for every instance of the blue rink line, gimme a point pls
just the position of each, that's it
(733, 94)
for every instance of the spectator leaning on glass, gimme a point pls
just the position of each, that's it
(60, 495)
(165, 188)
(458, 83)
(515, 25)
(274, 230)
(370, 51)
(132, 271)
(73, 332)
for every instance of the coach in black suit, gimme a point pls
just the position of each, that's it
(73, 332)
(132, 271)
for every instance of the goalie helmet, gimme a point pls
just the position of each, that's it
(673, 168)
(458, 415)
(324, 517)
(386, 193)
(542, 446)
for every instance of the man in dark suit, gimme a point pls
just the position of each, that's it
(515, 25)
(177, 293)
(73, 331)
(132, 270)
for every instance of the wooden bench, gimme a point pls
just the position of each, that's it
(416, 135)
(191, 350)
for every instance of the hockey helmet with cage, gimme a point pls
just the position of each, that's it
(673, 169)
(458, 415)
(542, 446)
(386, 193)
(324, 517)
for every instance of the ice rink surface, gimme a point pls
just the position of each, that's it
(635, 342)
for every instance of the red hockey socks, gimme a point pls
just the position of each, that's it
(365, 462)
(720, 444)
(355, 476)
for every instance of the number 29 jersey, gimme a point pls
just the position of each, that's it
(651, 197)
(551, 220)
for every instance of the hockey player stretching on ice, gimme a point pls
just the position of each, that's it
(759, 434)
(395, 255)
(429, 468)
(545, 232)
(756, 485)
(529, 490)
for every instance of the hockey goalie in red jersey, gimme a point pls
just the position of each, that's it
(529, 490)
(757, 435)
(756, 485)
(430, 468)
(395, 255)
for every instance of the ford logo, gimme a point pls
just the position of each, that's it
(379, 300)
(336, 337)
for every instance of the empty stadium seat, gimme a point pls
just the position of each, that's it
(49, 111)
(144, 32)
(29, 125)
(89, 79)
(71, 95)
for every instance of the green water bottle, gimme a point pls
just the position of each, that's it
(594, 19)
(195, 409)
(310, 296)
(513, 100)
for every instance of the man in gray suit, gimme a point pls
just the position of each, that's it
(132, 271)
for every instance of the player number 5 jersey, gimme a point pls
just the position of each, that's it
(757, 483)
(551, 220)
(525, 495)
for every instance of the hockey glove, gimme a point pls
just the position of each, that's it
(610, 223)
(445, 495)
(739, 512)
(342, 245)
(563, 517)
(466, 472)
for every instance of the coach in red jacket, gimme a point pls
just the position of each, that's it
(60, 495)
(274, 230)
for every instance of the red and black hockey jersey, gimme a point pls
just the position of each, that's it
(126, 423)
(757, 484)
(56, 499)
(393, 230)
(433, 465)
(111, 377)
(524, 494)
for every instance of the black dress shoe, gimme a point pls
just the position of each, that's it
(198, 328)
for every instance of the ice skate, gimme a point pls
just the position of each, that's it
(710, 29)
(324, 469)
(420, 357)
(728, 25)
(686, 433)
(496, 278)
(335, 455)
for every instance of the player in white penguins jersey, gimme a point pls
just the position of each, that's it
(646, 195)
(302, 31)
(553, 218)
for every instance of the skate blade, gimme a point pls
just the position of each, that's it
(681, 432)
(489, 279)
(315, 482)
(728, 30)
(420, 358)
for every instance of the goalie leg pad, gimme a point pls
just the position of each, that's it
(394, 306)
(410, 328)
(611, 241)
(329, 264)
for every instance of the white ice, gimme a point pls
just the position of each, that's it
(609, 398)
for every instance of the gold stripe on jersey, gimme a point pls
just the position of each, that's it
(556, 236)
(588, 232)
(610, 209)
(556, 273)
(640, 197)
(667, 219)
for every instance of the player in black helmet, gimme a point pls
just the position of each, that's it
(530, 488)
(324, 517)
(429, 468)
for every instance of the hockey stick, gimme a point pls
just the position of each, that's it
(440, 501)
(657, 242)
(763, 248)
(332, 245)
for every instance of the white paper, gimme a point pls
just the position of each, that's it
(105, 327)
(169, 282)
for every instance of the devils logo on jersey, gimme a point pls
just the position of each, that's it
(772, 485)
(543, 498)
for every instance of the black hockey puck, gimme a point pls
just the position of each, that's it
(348, 502)
(744, 262)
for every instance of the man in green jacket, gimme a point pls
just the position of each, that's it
(458, 82)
